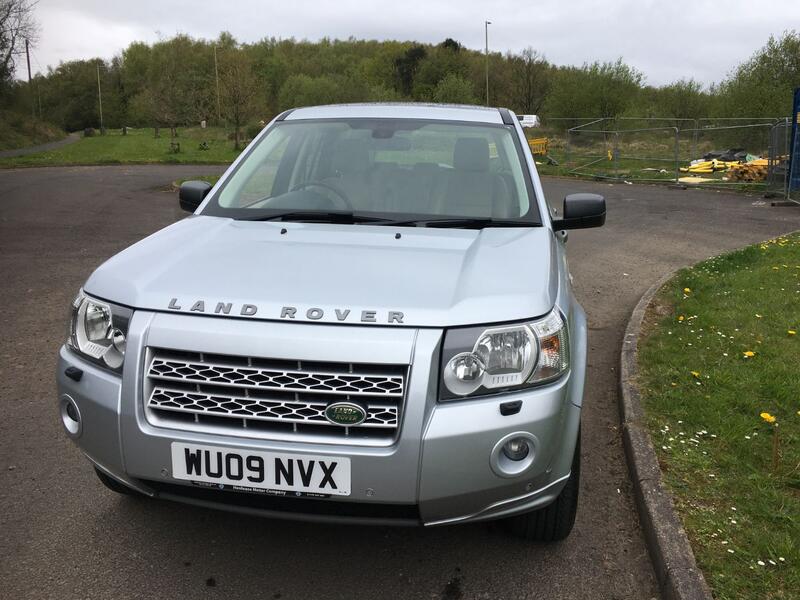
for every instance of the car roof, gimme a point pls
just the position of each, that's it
(398, 110)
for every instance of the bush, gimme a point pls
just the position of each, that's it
(19, 130)
(454, 89)
(303, 90)
(596, 90)
(763, 85)
(253, 130)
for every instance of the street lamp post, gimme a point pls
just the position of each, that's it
(486, 26)
(100, 99)
(216, 78)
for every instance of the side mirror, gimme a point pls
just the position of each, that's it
(192, 193)
(581, 211)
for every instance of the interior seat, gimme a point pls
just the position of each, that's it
(470, 189)
(351, 172)
(411, 189)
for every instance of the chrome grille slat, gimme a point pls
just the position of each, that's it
(260, 409)
(252, 396)
(345, 384)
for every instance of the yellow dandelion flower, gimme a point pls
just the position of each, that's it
(695, 373)
(687, 290)
(749, 354)
(792, 332)
(680, 317)
(768, 417)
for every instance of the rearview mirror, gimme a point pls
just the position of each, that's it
(192, 193)
(582, 211)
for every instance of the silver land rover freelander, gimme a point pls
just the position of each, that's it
(368, 319)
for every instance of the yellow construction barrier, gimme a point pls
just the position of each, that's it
(753, 171)
(539, 146)
(710, 166)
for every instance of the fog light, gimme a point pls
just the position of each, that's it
(516, 449)
(72, 412)
(70, 416)
(514, 454)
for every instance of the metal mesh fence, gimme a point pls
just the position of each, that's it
(778, 176)
(779, 142)
(645, 154)
(747, 153)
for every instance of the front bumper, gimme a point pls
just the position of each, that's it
(437, 471)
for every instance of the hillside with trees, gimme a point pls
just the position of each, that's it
(18, 123)
(183, 80)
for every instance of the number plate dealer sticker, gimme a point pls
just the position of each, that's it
(252, 470)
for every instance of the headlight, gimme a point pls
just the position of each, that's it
(481, 360)
(98, 330)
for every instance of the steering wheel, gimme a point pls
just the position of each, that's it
(341, 200)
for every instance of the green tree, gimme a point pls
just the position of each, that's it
(454, 89)
(17, 24)
(406, 66)
(596, 90)
(134, 68)
(763, 85)
(531, 79)
(684, 99)
(178, 83)
(69, 95)
(441, 61)
(302, 90)
(238, 89)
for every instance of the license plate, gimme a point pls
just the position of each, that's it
(263, 471)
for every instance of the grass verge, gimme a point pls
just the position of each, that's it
(721, 346)
(19, 130)
(139, 146)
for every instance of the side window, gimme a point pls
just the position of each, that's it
(261, 181)
(506, 158)
(306, 159)
(256, 177)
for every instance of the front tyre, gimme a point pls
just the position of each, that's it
(553, 522)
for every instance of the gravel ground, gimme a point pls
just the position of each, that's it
(65, 536)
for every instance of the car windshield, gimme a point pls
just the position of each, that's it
(397, 169)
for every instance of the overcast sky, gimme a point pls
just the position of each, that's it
(664, 39)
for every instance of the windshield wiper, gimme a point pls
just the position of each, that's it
(319, 216)
(464, 222)
(349, 217)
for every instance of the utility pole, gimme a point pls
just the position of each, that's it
(30, 86)
(216, 76)
(486, 25)
(100, 99)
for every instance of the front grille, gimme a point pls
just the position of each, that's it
(199, 390)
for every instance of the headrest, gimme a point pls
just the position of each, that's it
(471, 154)
(350, 156)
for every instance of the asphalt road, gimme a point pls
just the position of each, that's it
(62, 535)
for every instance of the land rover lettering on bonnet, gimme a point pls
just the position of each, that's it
(367, 319)
(291, 312)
